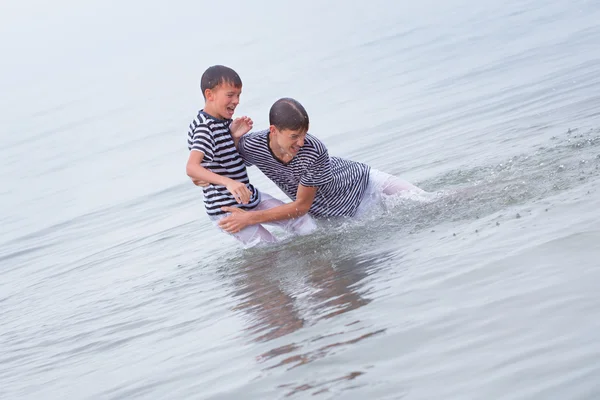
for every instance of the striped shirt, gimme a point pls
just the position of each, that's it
(212, 137)
(341, 183)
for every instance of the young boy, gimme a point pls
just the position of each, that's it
(214, 159)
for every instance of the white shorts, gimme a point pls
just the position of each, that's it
(381, 186)
(254, 235)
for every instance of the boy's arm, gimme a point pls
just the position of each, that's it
(198, 173)
(238, 128)
(239, 219)
(319, 173)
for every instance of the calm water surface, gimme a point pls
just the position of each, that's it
(113, 284)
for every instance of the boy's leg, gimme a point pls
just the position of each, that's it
(249, 236)
(300, 226)
(389, 184)
(381, 185)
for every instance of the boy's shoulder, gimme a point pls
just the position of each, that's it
(256, 135)
(314, 143)
(254, 141)
(205, 122)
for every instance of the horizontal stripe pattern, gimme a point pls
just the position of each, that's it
(212, 137)
(341, 183)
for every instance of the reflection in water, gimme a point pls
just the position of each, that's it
(322, 351)
(321, 389)
(283, 289)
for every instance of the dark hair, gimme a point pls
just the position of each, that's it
(217, 74)
(287, 113)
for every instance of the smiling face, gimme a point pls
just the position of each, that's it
(222, 100)
(286, 143)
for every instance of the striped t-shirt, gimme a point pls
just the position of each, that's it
(212, 137)
(341, 183)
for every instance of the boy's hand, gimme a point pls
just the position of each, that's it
(235, 222)
(240, 126)
(239, 191)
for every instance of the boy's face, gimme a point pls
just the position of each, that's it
(288, 141)
(222, 100)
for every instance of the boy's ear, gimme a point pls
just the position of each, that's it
(272, 129)
(208, 94)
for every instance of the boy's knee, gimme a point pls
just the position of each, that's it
(255, 235)
(304, 225)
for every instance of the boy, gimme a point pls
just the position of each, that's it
(214, 159)
(300, 165)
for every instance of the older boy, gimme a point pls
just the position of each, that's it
(300, 165)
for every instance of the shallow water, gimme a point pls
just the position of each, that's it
(114, 284)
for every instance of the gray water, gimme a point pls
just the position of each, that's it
(114, 285)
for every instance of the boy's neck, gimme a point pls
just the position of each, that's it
(210, 110)
(276, 150)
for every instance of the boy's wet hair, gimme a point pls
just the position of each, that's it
(218, 74)
(287, 113)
